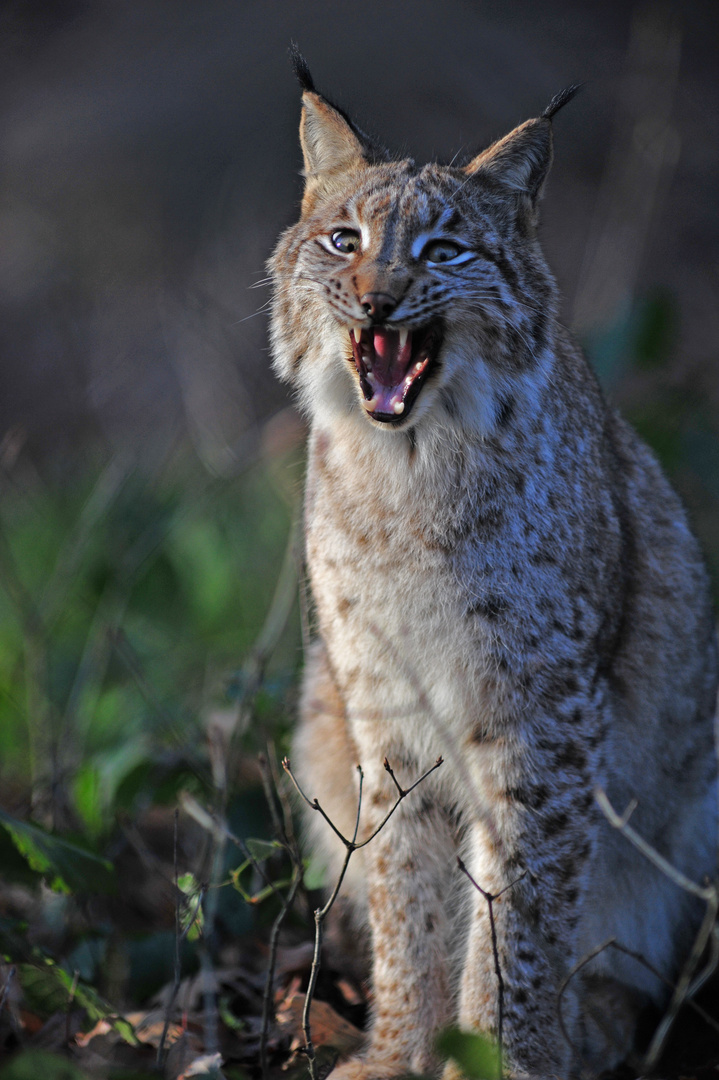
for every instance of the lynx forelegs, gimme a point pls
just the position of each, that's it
(325, 761)
(536, 923)
(409, 870)
(531, 1035)
(399, 882)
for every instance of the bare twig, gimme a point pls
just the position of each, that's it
(704, 892)
(682, 989)
(271, 963)
(281, 789)
(350, 847)
(209, 982)
(711, 964)
(314, 803)
(490, 898)
(283, 829)
(176, 980)
(708, 893)
(612, 943)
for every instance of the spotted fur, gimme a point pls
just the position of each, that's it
(502, 575)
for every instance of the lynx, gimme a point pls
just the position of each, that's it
(502, 575)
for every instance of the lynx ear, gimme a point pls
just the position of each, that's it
(329, 138)
(328, 141)
(521, 159)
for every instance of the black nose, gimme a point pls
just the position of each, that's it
(378, 305)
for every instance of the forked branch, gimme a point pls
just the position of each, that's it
(351, 845)
(490, 898)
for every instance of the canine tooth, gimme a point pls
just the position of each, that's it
(371, 405)
(357, 333)
(398, 407)
(403, 335)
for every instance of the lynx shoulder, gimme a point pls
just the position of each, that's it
(502, 575)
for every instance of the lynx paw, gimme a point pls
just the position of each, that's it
(368, 1069)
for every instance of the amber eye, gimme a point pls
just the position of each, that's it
(346, 240)
(441, 251)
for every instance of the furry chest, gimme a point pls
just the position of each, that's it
(392, 616)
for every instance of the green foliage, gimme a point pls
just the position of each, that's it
(130, 604)
(48, 988)
(32, 1064)
(476, 1055)
(124, 605)
(65, 867)
(192, 918)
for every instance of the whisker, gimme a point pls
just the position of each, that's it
(263, 310)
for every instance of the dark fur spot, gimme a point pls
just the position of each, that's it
(542, 557)
(505, 411)
(489, 607)
(519, 482)
(556, 823)
(572, 757)
(480, 734)
(538, 797)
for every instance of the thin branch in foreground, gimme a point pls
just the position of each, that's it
(321, 913)
(612, 943)
(283, 829)
(490, 898)
(621, 822)
(708, 893)
(176, 979)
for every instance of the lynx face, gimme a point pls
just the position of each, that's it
(424, 286)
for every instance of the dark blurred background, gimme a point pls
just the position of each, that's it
(150, 158)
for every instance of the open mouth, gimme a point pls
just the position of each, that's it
(393, 365)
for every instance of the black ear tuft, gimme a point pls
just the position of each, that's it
(301, 68)
(561, 99)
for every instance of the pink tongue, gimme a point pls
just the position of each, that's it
(390, 364)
